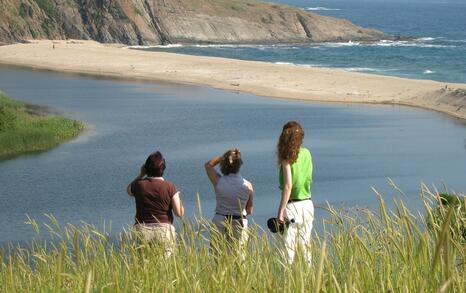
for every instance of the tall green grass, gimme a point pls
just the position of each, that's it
(23, 130)
(357, 251)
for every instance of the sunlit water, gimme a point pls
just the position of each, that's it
(354, 147)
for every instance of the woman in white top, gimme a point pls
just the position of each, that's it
(234, 195)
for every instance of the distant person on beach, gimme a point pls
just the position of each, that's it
(156, 201)
(234, 196)
(295, 178)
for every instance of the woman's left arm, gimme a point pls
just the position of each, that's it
(177, 205)
(286, 192)
(250, 204)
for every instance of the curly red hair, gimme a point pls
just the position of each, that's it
(290, 142)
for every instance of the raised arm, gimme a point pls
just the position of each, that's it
(210, 169)
(286, 192)
(250, 204)
(177, 205)
(142, 173)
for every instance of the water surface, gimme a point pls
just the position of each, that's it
(354, 147)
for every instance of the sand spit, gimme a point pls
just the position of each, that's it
(260, 78)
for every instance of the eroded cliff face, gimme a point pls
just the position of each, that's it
(153, 22)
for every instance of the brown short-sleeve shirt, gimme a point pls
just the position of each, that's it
(153, 200)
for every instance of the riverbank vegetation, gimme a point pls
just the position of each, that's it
(357, 251)
(23, 128)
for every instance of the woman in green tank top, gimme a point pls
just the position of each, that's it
(295, 178)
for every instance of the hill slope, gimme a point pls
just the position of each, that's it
(144, 22)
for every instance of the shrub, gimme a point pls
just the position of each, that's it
(7, 119)
(48, 7)
(457, 203)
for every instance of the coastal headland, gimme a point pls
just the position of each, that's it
(260, 78)
(155, 22)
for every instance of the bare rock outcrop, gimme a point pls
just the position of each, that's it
(151, 22)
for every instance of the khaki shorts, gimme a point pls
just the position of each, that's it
(160, 234)
(236, 234)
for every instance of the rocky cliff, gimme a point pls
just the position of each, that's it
(151, 22)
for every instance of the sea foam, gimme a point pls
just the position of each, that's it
(382, 43)
(426, 39)
(155, 46)
(363, 69)
(320, 9)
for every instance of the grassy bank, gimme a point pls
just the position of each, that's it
(23, 129)
(358, 251)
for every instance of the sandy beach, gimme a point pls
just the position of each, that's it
(260, 78)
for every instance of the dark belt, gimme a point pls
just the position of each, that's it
(232, 217)
(297, 199)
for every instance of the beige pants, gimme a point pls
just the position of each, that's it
(234, 231)
(298, 234)
(238, 228)
(160, 234)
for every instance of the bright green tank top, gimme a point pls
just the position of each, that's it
(301, 173)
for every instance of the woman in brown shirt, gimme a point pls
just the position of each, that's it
(156, 201)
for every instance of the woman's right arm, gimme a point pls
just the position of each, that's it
(142, 173)
(286, 192)
(210, 170)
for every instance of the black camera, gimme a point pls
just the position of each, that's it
(275, 226)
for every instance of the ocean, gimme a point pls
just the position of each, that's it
(437, 50)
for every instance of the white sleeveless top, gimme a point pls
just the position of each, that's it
(231, 193)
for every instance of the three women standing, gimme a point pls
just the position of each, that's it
(157, 198)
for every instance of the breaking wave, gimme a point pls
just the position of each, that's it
(426, 39)
(156, 46)
(424, 42)
(351, 69)
(383, 43)
(320, 9)
(366, 69)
